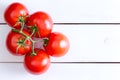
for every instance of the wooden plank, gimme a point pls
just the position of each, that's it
(69, 11)
(16, 71)
(88, 43)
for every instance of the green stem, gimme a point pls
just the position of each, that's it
(18, 31)
(33, 51)
(27, 37)
(22, 26)
(33, 31)
(21, 20)
(24, 40)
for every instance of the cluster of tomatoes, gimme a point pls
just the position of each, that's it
(31, 35)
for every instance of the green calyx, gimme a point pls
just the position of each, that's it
(21, 42)
(46, 41)
(21, 19)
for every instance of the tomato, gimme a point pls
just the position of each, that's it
(14, 13)
(43, 23)
(16, 45)
(37, 64)
(58, 44)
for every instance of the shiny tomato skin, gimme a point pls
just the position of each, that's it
(12, 13)
(43, 22)
(37, 64)
(58, 44)
(12, 43)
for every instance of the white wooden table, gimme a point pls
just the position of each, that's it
(93, 28)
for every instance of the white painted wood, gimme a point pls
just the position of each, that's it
(87, 43)
(62, 72)
(69, 11)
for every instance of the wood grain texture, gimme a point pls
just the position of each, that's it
(69, 11)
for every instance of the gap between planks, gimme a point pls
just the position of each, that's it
(75, 62)
(78, 23)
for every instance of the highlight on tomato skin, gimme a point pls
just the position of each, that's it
(31, 35)
(37, 64)
(16, 45)
(14, 14)
(43, 23)
(58, 44)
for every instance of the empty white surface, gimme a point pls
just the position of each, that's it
(72, 11)
(15, 71)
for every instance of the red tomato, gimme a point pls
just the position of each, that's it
(58, 44)
(43, 23)
(15, 39)
(37, 64)
(13, 12)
